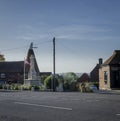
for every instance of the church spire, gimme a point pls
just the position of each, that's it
(31, 45)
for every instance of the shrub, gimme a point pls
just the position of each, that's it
(1, 87)
(84, 87)
(36, 88)
(87, 87)
(26, 87)
(66, 86)
(73, 86)
(96, 84)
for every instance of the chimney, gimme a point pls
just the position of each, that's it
(100, 61)
(116, 52)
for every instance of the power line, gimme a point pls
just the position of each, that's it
(43, 42)
(17, 48)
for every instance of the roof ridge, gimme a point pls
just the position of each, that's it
(110, 59)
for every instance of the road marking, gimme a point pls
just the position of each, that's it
(117, 114)
(92, 100)
(45, 106)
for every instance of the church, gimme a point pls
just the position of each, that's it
(17, 71)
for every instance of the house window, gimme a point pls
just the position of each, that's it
(105, 77)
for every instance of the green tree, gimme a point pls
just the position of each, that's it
(48, 81)
(2, 58)
(43, 77)
(69, 81)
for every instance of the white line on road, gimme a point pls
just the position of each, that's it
(117, 114)
(45, 106)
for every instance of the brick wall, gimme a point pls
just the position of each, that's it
(104, 82)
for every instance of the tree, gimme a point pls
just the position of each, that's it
(70, 77)
(43, 77)
(69, 80)
(2, 57)
(48, 81)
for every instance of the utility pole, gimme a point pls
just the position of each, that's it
(54, 83)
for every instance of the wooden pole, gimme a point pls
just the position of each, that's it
(54, 86)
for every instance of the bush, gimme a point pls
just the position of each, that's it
(48, 82)
(66, 86)
(1, 87)
(36, 88)
(96, 84)
(26, 87)
(87, 87)
(73, 86)
(15, 87)
(84, 87)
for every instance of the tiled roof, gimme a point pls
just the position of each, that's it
(12, 66)
(114, 59)
(84, 77)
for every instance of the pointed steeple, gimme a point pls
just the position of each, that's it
(29, 53)
(31, 45)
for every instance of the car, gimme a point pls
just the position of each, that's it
(93, 87)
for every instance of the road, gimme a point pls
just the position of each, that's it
(58, 106)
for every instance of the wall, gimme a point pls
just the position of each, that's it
(104, 84)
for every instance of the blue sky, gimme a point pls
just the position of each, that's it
(85, 30)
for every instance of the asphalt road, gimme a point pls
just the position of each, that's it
(56, 106)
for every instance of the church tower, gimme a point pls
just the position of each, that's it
(32, 73)
(30, 54)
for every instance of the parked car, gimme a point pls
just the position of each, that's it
(93, 87)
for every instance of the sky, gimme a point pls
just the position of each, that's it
(85, 30)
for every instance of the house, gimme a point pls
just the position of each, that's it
(11, 72)
(94, 74)
(109, 72)
(83, 78)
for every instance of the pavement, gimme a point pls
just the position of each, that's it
(117, 92)
(58, 106)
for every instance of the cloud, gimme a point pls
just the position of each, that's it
(80, 32)
(67, 32)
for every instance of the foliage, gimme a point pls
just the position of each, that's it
(43, 77)
(70, 79)
(36, 88)
(27, 87)
(48, 81)
(87, 87)
(2, 58)
(12, 87)
(42, 88)
(73, 86)
(84, 87)
(66, 86)
(96, 84)
(1, 87)
(21, 87)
